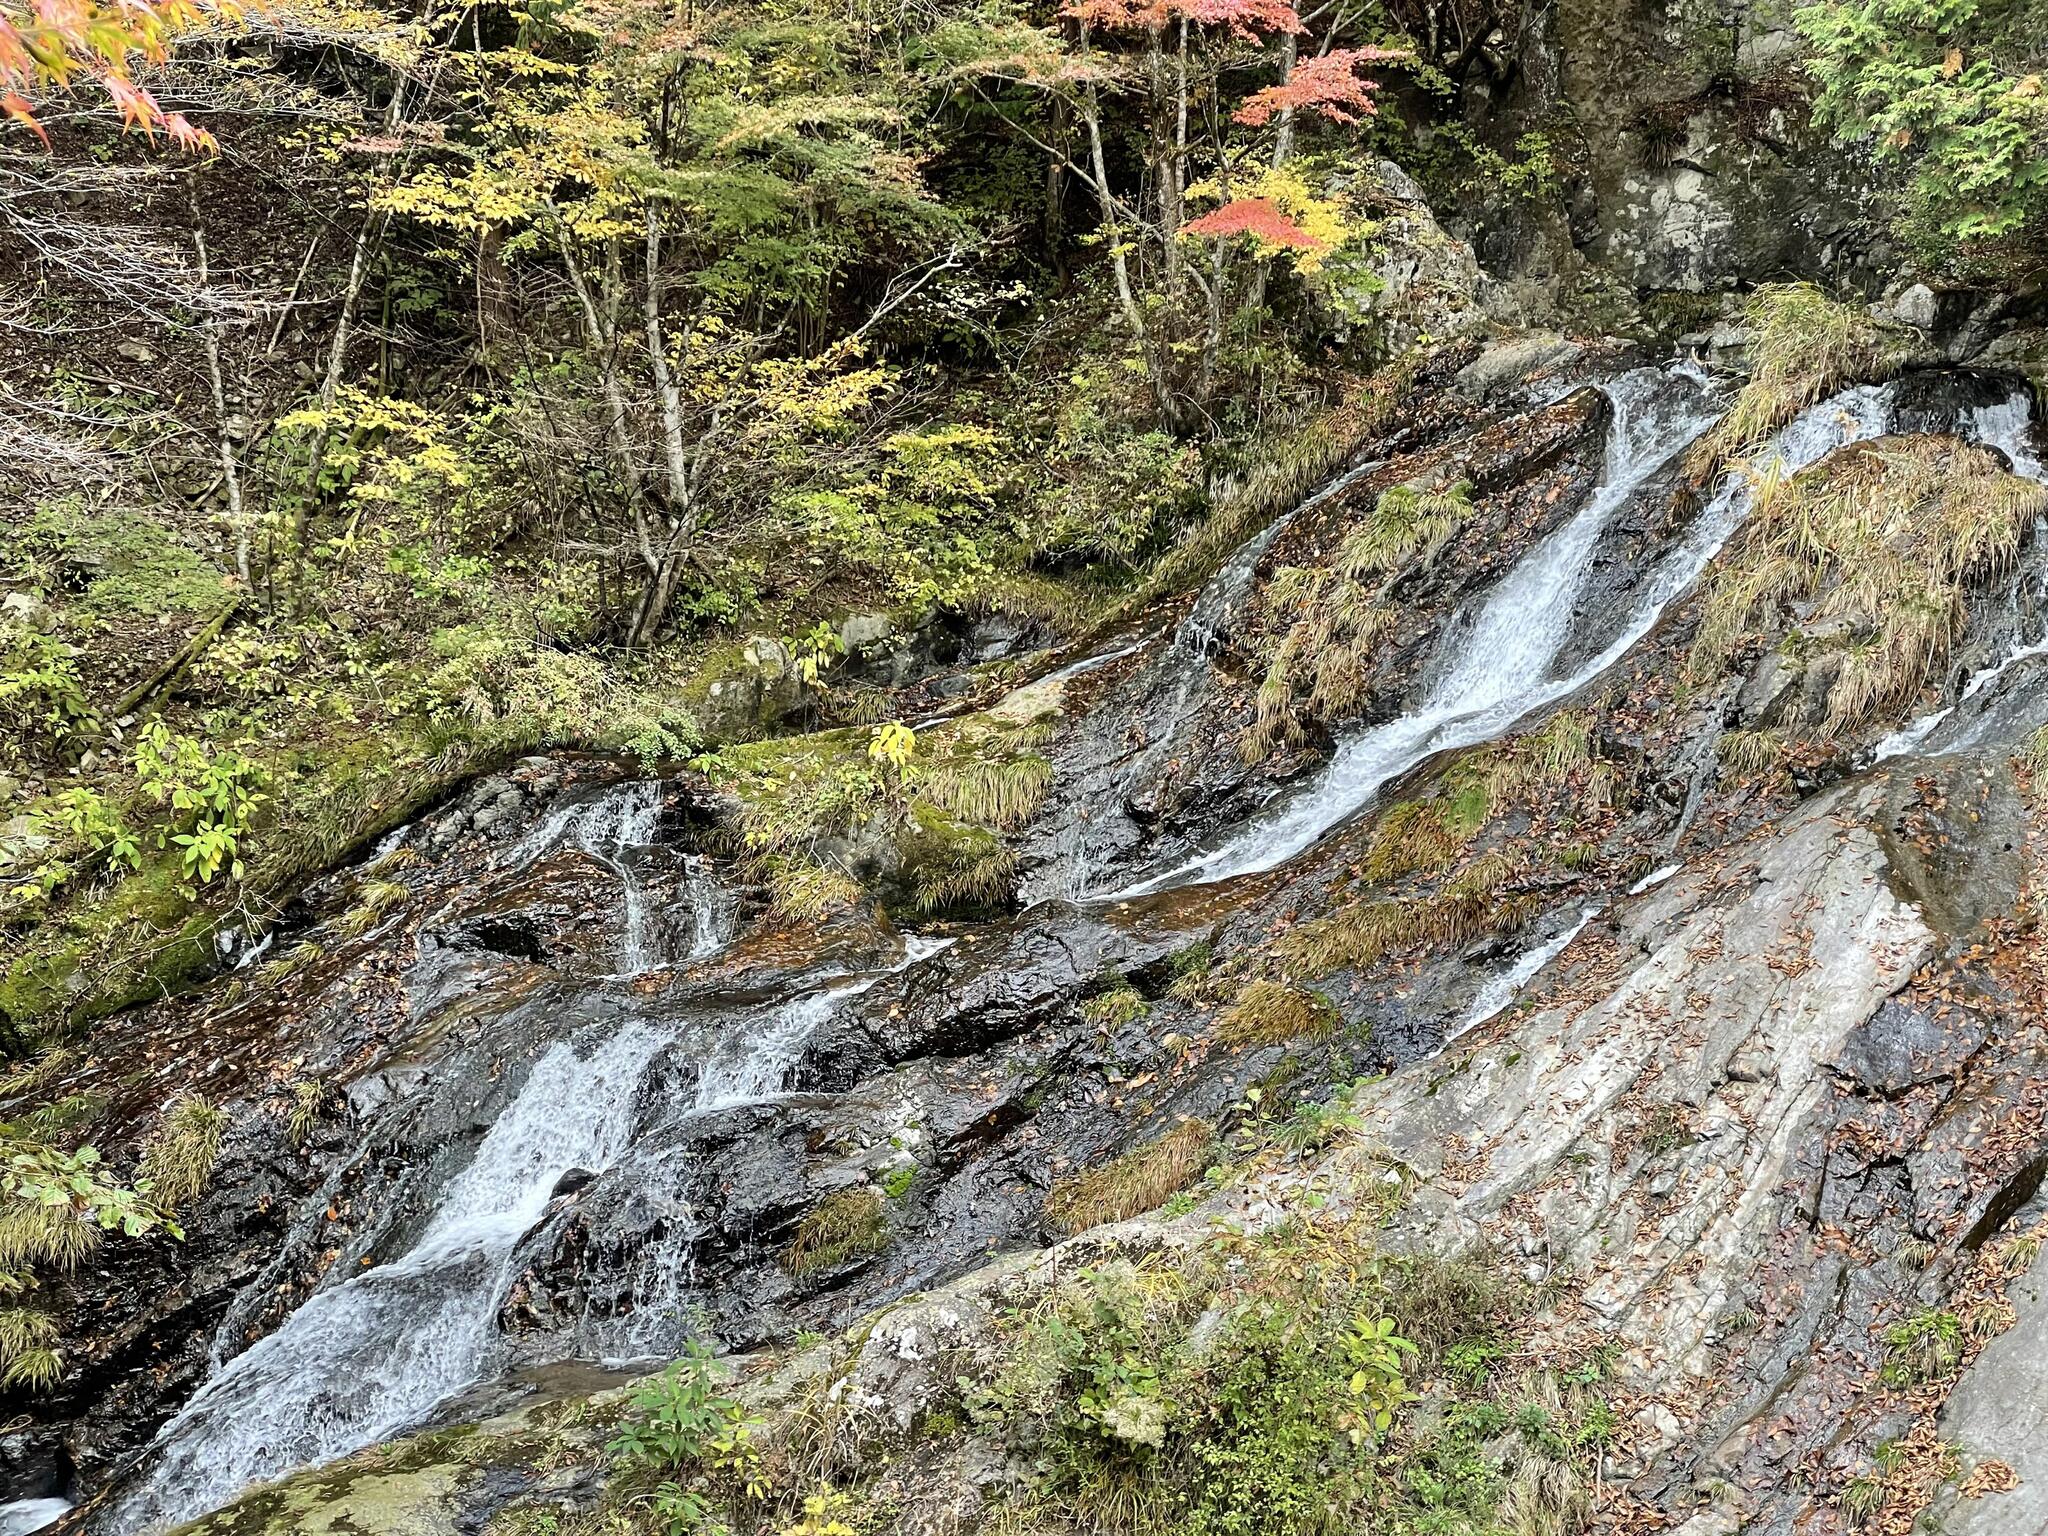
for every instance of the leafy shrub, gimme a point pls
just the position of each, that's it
(1948, 91)
(685, 1449)
(43, 704)
(213, 796)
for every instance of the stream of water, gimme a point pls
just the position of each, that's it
(374, 1354)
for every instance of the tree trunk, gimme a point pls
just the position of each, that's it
(230, 468)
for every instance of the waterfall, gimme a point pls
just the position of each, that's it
(1498, 658)
(1503, 989)
(26, 1515)
(620, 827)
(361, 1360)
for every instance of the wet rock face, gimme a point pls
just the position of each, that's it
(1152, 763)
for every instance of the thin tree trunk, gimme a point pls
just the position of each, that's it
(230, 469)
(666, 393)
(1127, 301)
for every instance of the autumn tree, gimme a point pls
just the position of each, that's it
(1181, 277)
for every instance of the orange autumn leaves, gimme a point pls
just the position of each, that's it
(58, 44)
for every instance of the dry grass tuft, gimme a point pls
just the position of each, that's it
(1141, 1180)
(1803, 346)
(1273, 1013)
(1878, 547)
(1341, 613)
(179, 1157)
(848, 1223)
(1003, 793)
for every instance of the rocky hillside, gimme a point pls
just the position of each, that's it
(1560, 899)
(954, 844)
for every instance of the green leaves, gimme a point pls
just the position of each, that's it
(1376, 1353)
(681, 1436)
(1941, 89)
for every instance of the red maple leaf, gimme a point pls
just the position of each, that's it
(1329, 85)
(1257, 217)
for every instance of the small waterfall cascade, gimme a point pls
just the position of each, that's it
(1505, 988)
(361, 1360)
(621, 829)
(25, 1515)
(1502, 652)
(747, 1069)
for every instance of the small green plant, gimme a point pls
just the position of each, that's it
(213, 797)
(897, 1181)
(1924, 1347)
(685, 1447)
(1376, 1352)
(43, 703)
(1861, 1498)
(1111, 1010)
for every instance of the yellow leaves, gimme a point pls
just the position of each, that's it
(2029, 87)
(893, 745)
(1323, 220)
(1952, 64)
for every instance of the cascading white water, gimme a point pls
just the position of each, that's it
(1504, 988)
(2008, 427)
(1501, 655)
(365, 1358)
(26, 1515)
(619, 828)
(745, 1070)
(361, 1360)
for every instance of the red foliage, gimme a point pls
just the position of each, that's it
(49, 44)
(1244, 18)
(1257, 217)
(1329, 86)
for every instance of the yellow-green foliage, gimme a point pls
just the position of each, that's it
(1121, 1004)
(1273, 1013)
(1262, 1384)
(848, 1223)
(1886, 539)
(1750, 753)
(1002, 793)
(1338, 615)
(941, 798)
(1803, 345)
(1141, 1180)
(179, 1157)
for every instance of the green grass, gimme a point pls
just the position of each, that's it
(179, 1157)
